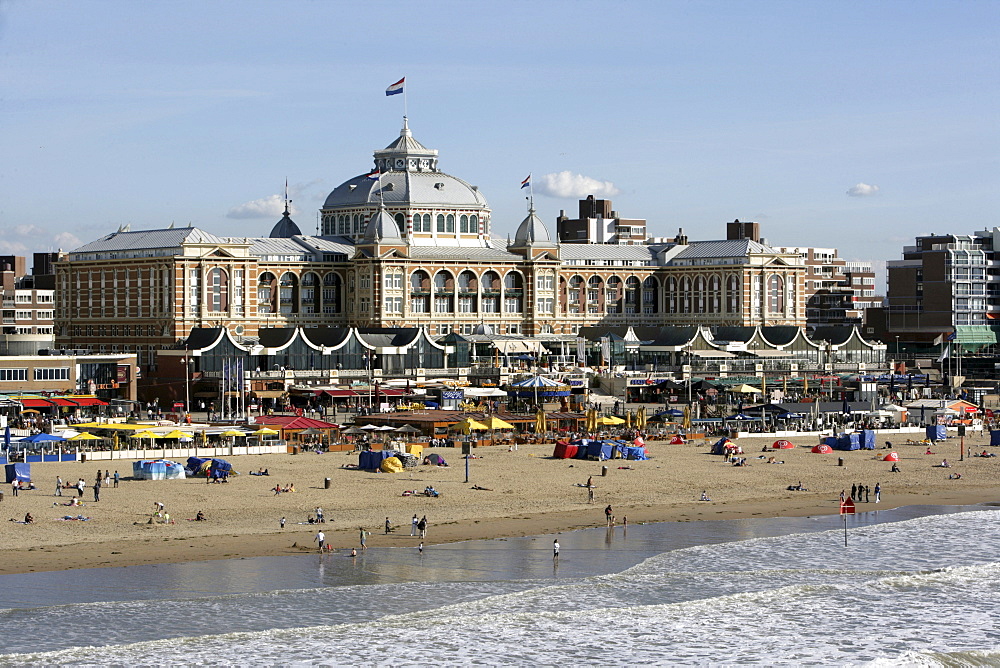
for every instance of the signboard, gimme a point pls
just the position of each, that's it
(452, 394)
(847, 507)
(123, 373)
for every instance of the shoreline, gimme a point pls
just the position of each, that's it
(298, 539)
(529, 493)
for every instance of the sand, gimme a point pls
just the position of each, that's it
(531, 494)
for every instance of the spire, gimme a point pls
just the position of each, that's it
(532, 230)
(382, 228)
(286, 227)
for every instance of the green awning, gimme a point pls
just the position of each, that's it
(976, 334)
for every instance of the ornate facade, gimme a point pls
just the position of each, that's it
(410, 246)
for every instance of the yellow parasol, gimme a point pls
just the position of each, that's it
(144, 434)
(592, 419)
(610, 420)
(266, 431)
(468, 425)
(540, 426)
(687, 418)
(493, 422)
(177, 433)
(628, 419)
(85, 436)
(640, 418)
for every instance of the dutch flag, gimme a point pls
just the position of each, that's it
(396, 88)
(527, 182)
(374, 175)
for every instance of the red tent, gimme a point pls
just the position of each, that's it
(782, 445)
(891, 457)
(564, 450)
(676, 439)
(822, 449)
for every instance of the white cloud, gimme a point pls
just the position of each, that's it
(13, 247)
(67, 241)
(272, 206)
(862, 190)
(573, 186)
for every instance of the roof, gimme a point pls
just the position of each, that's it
(285, 227)
(723, 248)
(634, 252)
(276, 337)
(382, 227)
(472, 253)
(293, 422)
(531, 231)
(389, 336)
(124, 240)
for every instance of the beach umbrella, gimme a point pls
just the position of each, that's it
(233, 433)
(468, 425)
(353, 431)
(42, 437)
(628, 419)
(85, 436)
(493, 422)
(408, 429)
(687, 418)
(746, 389)
(640, 417)
(6, 437)
(267, 431)
(178, 434)
(540, 426)
(610, 420)
(370, 427)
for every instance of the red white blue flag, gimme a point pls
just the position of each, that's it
(375, 174)
(527, 182)
(396, 88)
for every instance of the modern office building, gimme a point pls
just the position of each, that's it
(28, 304)
(836, 291)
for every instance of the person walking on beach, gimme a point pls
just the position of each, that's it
(555, 549)
(80, 485)
(607, 514)
(117, 478)
(364, 536)
(868, 491)
(422, 527)
(59, 484)
(843, 495)
(878, 492)
(420, 548)
(321, 539)
(15, 487)
(281, 522)
(854, 491)
(590, 494)
(388, 527)
(97, 490)
(413, 525)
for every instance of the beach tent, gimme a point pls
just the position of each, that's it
(219, 469)
(436, 459)
(676, 439)
(822, 449)
(868, 439)
(720, 446)
(156, 469)
(196, 464)
(600, 450)
(891, 457)
(937, 432)
(994, 437)
(391, 465)
(371, 460)
(848, 442)
(782, 445)
(20, 471)
(414, 449)
(630, 452)
(564, 450)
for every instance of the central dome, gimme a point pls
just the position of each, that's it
(429, 206)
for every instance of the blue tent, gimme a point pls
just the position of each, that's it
(371, 460)
(868, 439)
(937, 432)
(720, 446)
(848, 442)
(220, 469)
(994, 438)
(156, 469)
(600, 450)
(18, 472)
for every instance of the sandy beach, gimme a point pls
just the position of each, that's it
(528, 493)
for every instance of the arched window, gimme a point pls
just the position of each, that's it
(732, 295)
(512, 281)
(332, 293)
(467, 281)
(463, 224)
(474, 224)
(357, 224)
(714, 294)
(310, 293)
(427, 222)
(400, 222)
(671, 295)
(491, 281)
(685, 295)
(420, 281)
(288, 288)
(450, 224)
(416, 222)
(699, 295)
(513, 284)
(443, 282)
(218, 290)
(440, 222)
(775, 294)
(266, 293)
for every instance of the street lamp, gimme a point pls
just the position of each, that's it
(187, 383)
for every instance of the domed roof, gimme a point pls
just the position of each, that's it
(285, 228)
(531, 231)
(409, 175)
(382, 228)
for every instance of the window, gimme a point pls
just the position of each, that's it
(24, 315)
(194, 291)
(418, 305)
(512, 305)
(450, 224)
(474, 224)
(218, 290)
(365, 282)
(13, 374)
(442, 304)
(393, 304)
(545, 305)
(57, 373)
(364, 304)
(465, 305)
(463, 224)
(440, 222)
(775, 294)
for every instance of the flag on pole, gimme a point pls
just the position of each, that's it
(527, 182)
(396, 88)
(945, 354)
(374, 175)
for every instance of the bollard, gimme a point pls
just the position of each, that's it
(840, 461)
(326, 483)
(604, 470)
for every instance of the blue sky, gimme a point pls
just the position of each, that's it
(688, 114)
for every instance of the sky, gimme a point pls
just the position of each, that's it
(853, 125)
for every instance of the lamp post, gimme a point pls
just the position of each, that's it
(187, 384)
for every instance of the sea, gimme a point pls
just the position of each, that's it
(913, 586)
